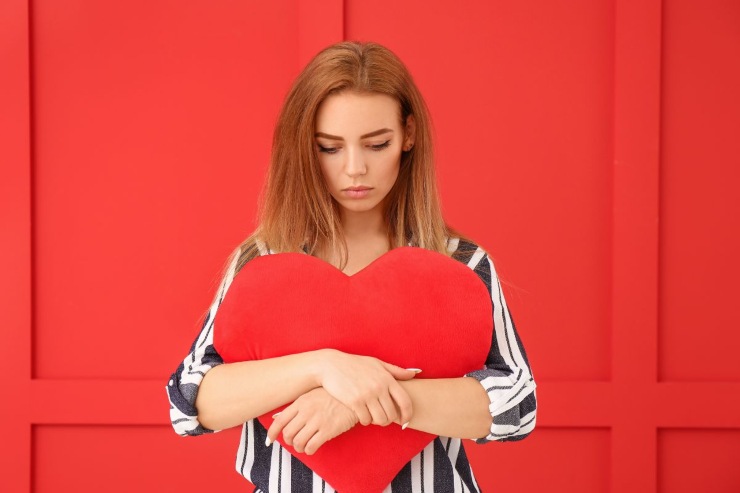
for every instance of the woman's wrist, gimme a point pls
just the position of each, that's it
(320, 362)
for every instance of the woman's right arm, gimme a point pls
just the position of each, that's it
(233, 393)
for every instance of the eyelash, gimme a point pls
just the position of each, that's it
(376, 148)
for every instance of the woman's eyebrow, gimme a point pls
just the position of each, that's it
(371, 134)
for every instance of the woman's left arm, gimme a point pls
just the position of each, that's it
(495, 403)
(451, 407)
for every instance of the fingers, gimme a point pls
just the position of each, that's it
(314, 443)
(401, 373)
(301, 438)
(285, 417)
(403, 401)
(292, 429)
(363, 413)
(315, 418)
(389, 407)
(378, 413)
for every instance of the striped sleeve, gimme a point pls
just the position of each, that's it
(506, 376)
(182, 388)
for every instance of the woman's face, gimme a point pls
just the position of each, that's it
(359, 139)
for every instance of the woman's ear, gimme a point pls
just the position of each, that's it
(410, 133)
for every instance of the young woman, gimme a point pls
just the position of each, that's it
(351, 177)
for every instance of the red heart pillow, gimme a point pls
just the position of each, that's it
(411, 307)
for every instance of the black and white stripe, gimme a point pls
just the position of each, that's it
(442, 466)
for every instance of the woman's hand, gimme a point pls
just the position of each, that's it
(312, 420)
(368, 386)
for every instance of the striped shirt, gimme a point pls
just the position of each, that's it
(442, 466)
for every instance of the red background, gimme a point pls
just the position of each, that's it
(591, 146)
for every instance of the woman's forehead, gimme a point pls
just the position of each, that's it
(352, 115)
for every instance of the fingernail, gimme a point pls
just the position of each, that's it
(415, 370)
(276, 415)
(267, 442)
(405, 425)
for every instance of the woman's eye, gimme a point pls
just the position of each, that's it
(328, 150)
(380, 147)
(333, 150)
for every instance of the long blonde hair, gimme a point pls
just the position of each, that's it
(295, 207)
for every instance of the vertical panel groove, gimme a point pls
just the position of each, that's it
(32, 191)
(31, 241)
(15, 226)
(637, 31)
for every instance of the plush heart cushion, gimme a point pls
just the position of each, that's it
(411, 307)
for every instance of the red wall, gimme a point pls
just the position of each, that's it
(591, 147)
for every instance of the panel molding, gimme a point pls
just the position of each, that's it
(15, 241)
(634, 307)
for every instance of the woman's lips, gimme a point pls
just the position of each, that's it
(356, 193)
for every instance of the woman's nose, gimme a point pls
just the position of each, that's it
(355, 164)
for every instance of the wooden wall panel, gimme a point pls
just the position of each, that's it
(132, 458)
(589, 146)
(698, 460)
(700, 205)
(145, 136)
(582, 465)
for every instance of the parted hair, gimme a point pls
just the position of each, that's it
(295, 208)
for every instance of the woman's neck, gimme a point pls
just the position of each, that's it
(366, 235)
(361, 226)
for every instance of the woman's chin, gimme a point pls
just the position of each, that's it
(359, 206)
